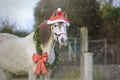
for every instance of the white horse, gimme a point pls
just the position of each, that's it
(16, 53)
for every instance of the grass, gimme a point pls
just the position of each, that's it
(65, 74)
(50, 79)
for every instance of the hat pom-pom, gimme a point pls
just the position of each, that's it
(59, 12)
(59, 9)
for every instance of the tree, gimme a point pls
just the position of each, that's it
(6, 27)
(43, 11)
(86, 13)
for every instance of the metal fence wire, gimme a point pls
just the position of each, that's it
(97, 47)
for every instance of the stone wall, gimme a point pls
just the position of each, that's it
(100, 72)
(107, 72)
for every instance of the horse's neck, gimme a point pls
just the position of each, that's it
(49, 46)
(28, 40)
(30, 36)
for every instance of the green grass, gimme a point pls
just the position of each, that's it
(50, 79)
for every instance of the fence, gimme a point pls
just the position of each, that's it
(72, 51)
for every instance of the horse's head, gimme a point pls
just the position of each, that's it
(59, 24)
(55, 28)
(59, 31)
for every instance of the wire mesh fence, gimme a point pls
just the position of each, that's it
(97, 47)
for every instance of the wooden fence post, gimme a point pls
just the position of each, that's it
(85, 56)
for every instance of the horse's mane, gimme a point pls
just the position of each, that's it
(44, 32)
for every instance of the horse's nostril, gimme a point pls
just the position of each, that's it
(62, 40)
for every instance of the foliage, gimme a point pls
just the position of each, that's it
(43, 11)
(110, 24)
(109, 13)
(20, 33)
(37, 41)
(8, 28)
(39, 50)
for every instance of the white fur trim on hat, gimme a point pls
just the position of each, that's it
(60, 20)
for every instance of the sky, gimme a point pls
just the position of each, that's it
(116, 2)
(20, 12)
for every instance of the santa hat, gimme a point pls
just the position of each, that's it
(59, 16)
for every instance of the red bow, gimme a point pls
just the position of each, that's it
(40, 60)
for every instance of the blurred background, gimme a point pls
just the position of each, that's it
(102, 17)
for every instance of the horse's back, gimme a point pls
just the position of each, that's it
(6, 36)
(16, 53)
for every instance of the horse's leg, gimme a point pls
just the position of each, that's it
(8, 75)
(2, 75)
(32, 76)
(42, 77)
(48, 75)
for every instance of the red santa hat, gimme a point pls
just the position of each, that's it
(59, 16)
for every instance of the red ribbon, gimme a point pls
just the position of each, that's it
(40, 60)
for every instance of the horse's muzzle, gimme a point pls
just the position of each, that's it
(64, 42)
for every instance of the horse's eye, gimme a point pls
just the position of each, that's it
(55, 25)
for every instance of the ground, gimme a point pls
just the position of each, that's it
(51, 79)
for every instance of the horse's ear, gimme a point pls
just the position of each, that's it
(55, 14)
(64, 14)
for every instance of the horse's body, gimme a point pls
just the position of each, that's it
(16, 54)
